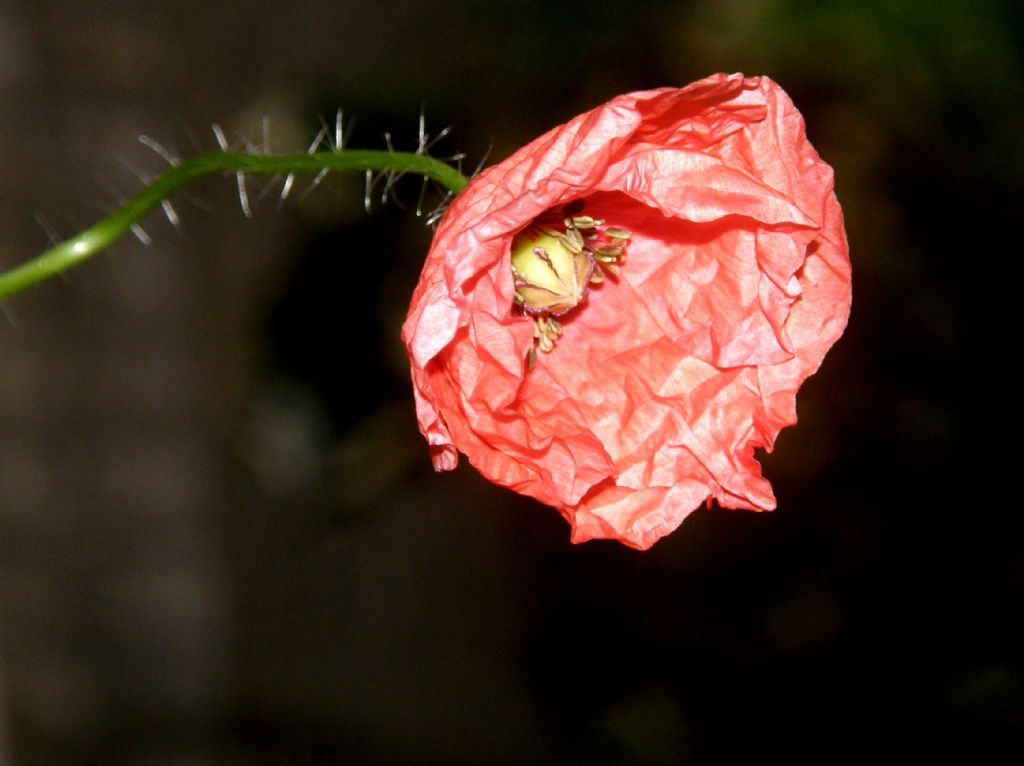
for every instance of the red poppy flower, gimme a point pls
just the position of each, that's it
(726, 278)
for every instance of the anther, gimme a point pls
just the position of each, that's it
(608, 253)
(570, 242)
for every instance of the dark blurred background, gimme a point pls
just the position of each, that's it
(221, 541)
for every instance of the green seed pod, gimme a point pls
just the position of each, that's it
(549, 276)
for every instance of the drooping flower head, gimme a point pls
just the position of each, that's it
(677, 257)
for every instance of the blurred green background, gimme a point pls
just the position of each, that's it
(211, 553)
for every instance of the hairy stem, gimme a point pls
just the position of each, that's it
(100, 235)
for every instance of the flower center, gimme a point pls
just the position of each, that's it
(553, 267)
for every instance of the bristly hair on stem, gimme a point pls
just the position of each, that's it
(381, 167)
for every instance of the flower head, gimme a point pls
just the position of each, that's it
(678, 258)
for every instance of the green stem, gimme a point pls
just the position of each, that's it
(79, 248)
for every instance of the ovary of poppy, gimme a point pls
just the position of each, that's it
(688, 356)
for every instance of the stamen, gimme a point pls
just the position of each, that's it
(570, 242)
(584, 222)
